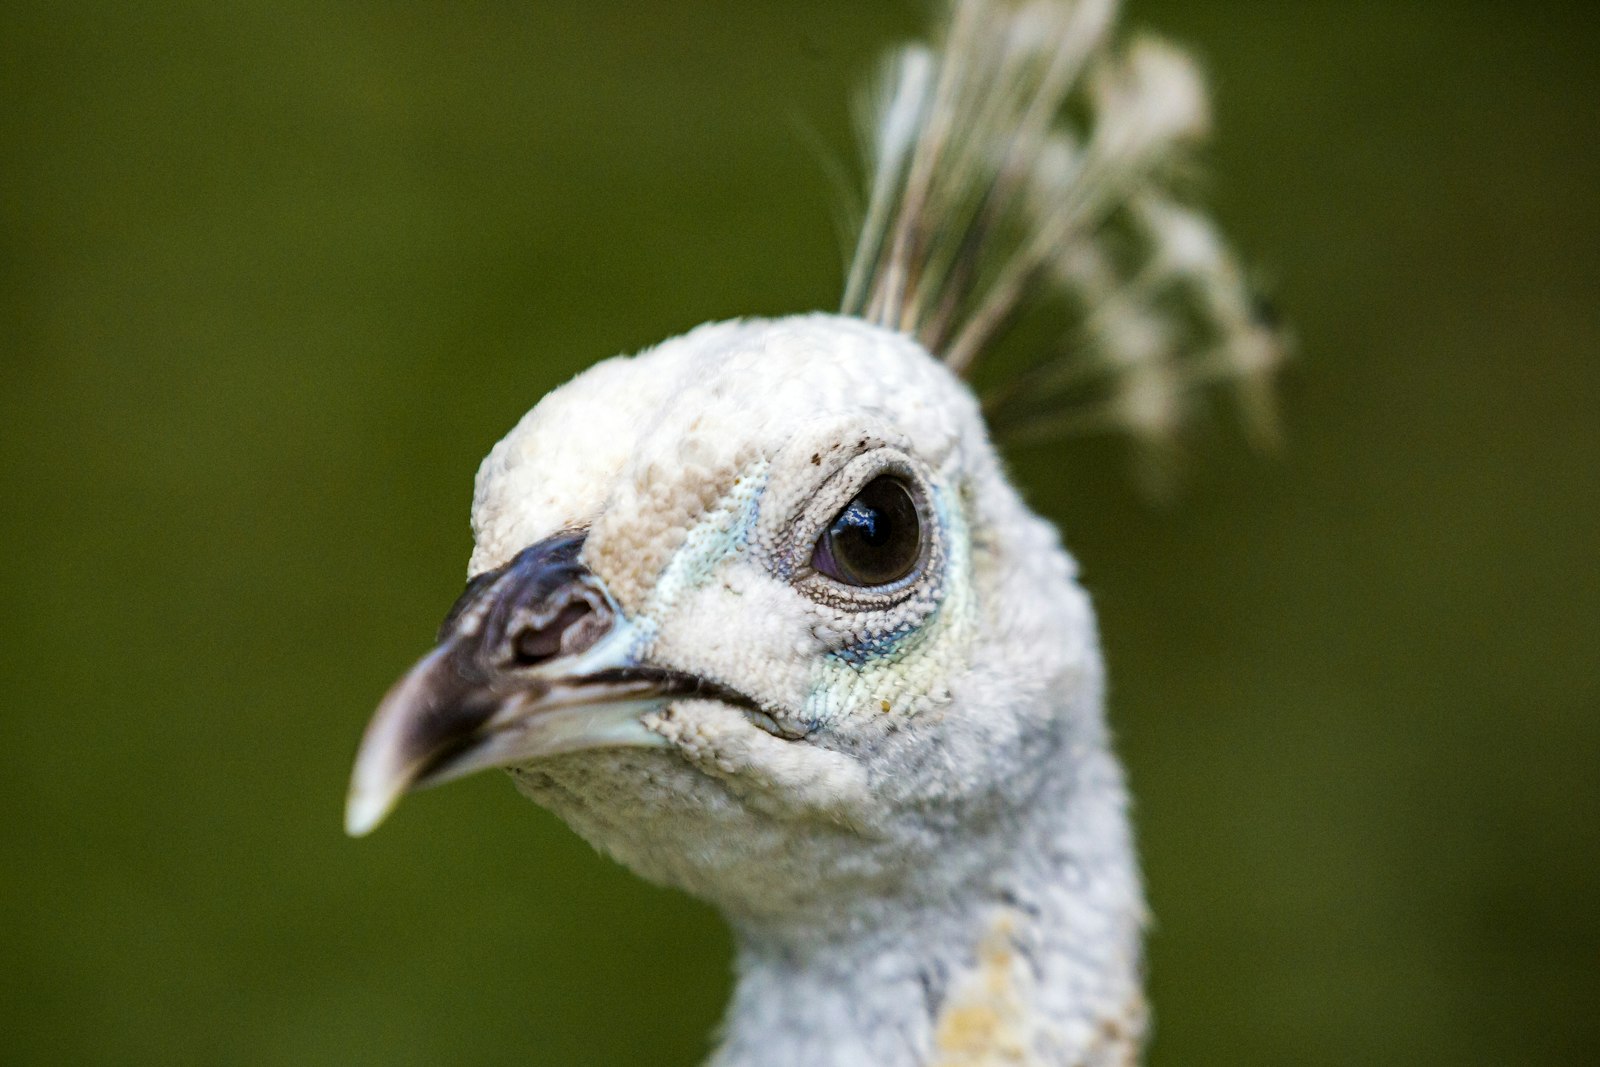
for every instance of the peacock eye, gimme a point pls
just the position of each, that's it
(875, 540)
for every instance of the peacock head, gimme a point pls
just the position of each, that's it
(756, 612)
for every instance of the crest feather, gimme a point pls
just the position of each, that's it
(1025, 159)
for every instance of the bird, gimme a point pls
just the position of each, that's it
(759, 613)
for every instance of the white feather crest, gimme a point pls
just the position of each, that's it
(985, 200)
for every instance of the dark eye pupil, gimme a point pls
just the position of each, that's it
(875, 540)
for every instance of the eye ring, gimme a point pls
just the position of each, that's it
(877, 540)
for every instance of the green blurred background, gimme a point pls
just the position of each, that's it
(276, 275)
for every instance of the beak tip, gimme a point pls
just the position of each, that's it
(364, 811)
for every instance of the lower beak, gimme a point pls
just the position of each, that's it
(535, 659)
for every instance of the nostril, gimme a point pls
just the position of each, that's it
(535, 644)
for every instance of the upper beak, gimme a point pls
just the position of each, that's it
(534, 659)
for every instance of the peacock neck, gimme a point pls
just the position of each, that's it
(1033, 957)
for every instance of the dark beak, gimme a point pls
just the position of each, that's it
(535, 659)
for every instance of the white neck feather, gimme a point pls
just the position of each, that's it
(1033, 958)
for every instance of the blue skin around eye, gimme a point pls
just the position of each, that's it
(876, 647)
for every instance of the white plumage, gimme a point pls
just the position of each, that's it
(758, 613)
